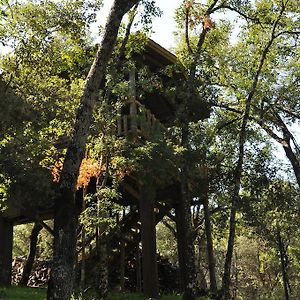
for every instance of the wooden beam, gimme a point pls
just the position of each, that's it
(148, 233)
(6, 244)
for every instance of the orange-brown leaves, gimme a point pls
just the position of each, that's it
(88, 169)
(208, 23)
(55, 171)
(188, 4)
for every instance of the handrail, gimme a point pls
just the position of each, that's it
(139, 121)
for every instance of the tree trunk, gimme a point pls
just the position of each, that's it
(286, 144)
(229, 254)
(294, 161)
(201, 277)
(184, 228)
(186, 251)
(239, 167)
(6, 243)
(102, 269)
(65, 216)
(210, 249)
(283, 265)
(30, 259)
(83, 251)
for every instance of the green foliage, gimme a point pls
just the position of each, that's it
(42, 80)
(95, 215)
(166, 242)
(22, 242)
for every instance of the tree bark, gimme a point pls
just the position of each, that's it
(65, 216)
(30, 259)
(283, 265)
(286, 144)
(201, 276)
(186, 252)
(83, 251)
(293, 160)
(210, 250)
(102, 268)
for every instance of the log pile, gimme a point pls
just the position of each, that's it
(167, 273)
(39, 276)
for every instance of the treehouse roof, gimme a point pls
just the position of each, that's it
(163, 106)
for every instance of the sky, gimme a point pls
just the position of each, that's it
(163, 27)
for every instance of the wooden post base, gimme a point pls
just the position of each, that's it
(6, 243)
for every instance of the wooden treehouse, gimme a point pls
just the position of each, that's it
(144, 205)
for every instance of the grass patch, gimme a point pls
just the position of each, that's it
(22, 293)
(26, 293)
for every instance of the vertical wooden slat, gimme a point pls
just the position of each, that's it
(138, 269)
(122, 264)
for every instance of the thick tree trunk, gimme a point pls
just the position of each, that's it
(65, 219)
(294, 161)
(186, 250)
(32, 251)
(65, 224)
(286, 144)
(6, 243)
(201, 277)
(148, 233)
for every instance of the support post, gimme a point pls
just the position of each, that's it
(6, 243)
(122, 265)
(138, 269)
(132, 97)
(148, 233)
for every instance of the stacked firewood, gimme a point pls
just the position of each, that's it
(39, 276)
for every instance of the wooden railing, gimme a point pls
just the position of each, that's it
(138, 121)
